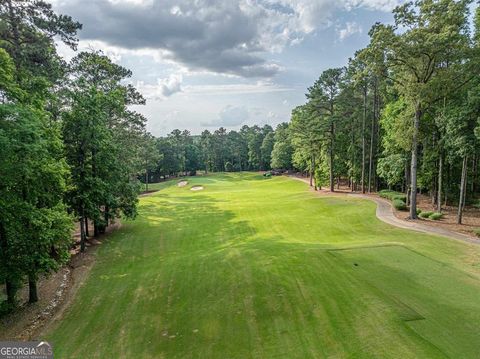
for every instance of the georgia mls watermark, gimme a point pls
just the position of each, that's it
(26, 350)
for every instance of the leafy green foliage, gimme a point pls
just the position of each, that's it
(436, 216)
(282, 149)
(399, 204)
(392, 195)
(392, 168)
(103, 140)
(35, 227)
(426, 214)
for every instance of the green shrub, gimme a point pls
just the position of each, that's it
(477, 232)
(419, 211)
(392, 195)
(399, 204)
(436, 216)
(400, 196)
(384, 193)
(426, 214)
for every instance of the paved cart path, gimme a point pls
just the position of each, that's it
(385, 213)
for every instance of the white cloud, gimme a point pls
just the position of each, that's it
(228, 37)
(170, 85)
(163, 88)
(230, 116)
(235, 89)
(272, 115)
(174, 83)
(349, 29)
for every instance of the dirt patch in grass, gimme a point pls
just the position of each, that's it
(182, 183)
(197, 188)
(55, 292)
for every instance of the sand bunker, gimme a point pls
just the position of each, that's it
(196, 188)
(182, 183)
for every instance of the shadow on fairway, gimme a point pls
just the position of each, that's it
(196, 219)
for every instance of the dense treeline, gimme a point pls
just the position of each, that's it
(249, 149)
(69, 146)
(404, 115)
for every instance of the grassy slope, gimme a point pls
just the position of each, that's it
(250, 268)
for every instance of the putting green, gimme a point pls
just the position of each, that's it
(252, 267)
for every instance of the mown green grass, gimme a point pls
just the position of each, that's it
(262, 268)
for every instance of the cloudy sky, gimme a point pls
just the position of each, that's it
(211, 63)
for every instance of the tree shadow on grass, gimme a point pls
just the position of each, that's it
(195, 220)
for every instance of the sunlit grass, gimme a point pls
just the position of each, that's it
(254, 268)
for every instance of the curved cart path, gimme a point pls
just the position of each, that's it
(385, 213)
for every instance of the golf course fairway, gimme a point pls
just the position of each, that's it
(254, 267)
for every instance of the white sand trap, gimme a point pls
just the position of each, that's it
(196, 188)
(182, 183)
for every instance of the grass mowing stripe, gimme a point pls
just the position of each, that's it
(242, 269)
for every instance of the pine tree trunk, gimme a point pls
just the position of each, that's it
(32, 289)
(332, 179)
(96, 229)
(82, 232)
(475, 175)
(106, 215)
(407, 185)
(11, 290)
(146, 180)
(413, 181)
(87, 232)
(440, 175)
(363, 137)
(372, 135)
(352, 180)
(9, 285)
(463, 185)
(311, 171)
(376, 146)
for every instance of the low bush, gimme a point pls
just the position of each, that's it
(399, 204)
(425, 214)
(477, 232)
(392, 195)
(419, 211)
(436, 216)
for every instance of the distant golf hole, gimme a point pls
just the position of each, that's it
(182, 183)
